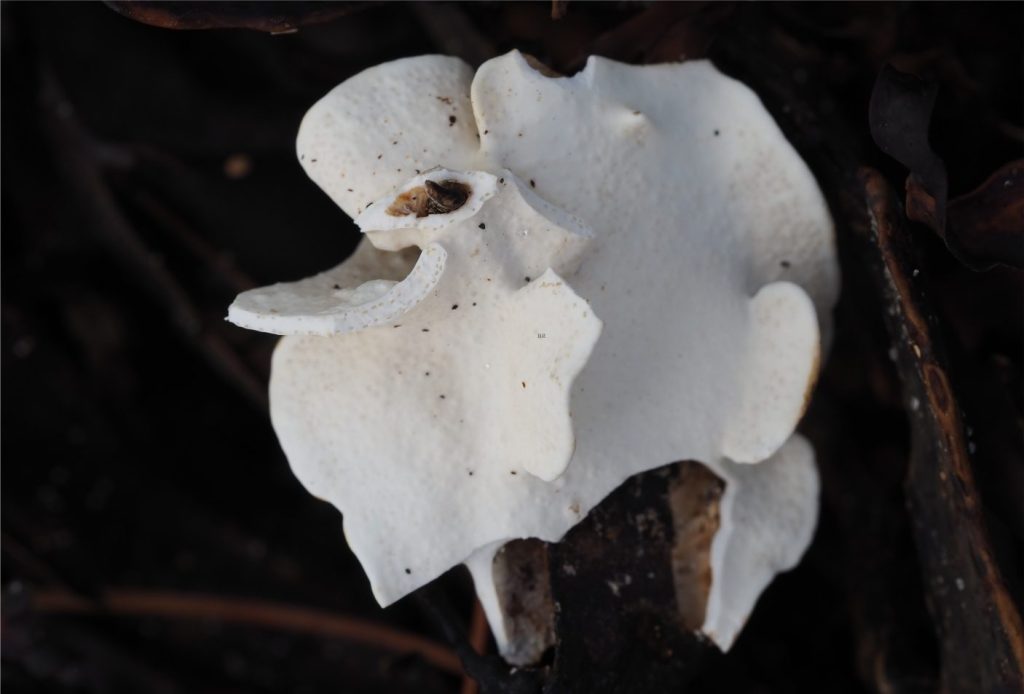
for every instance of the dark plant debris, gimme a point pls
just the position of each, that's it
(154, 538)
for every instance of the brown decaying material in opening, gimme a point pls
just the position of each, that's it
(430, 198)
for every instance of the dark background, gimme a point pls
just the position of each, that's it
(149, 175)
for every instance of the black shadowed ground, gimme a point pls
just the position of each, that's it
(153, 537)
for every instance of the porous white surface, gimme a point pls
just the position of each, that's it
(662, 201)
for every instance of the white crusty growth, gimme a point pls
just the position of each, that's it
(617, 270)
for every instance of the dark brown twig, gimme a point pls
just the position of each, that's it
(30, 562)
(271, 17)
(979, 626)
(220, 266)
(453, 32)
(128, 602)
(84, 178)
(478, 633)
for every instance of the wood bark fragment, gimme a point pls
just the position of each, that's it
(979, 625)
(523, 583)
(694, 497)
(646, 551)
(617, 620)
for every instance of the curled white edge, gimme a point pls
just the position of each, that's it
(769, 512)
(320, 306)
(784, 333)
(326, 304)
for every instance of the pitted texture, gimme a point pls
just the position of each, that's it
(661, 201)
